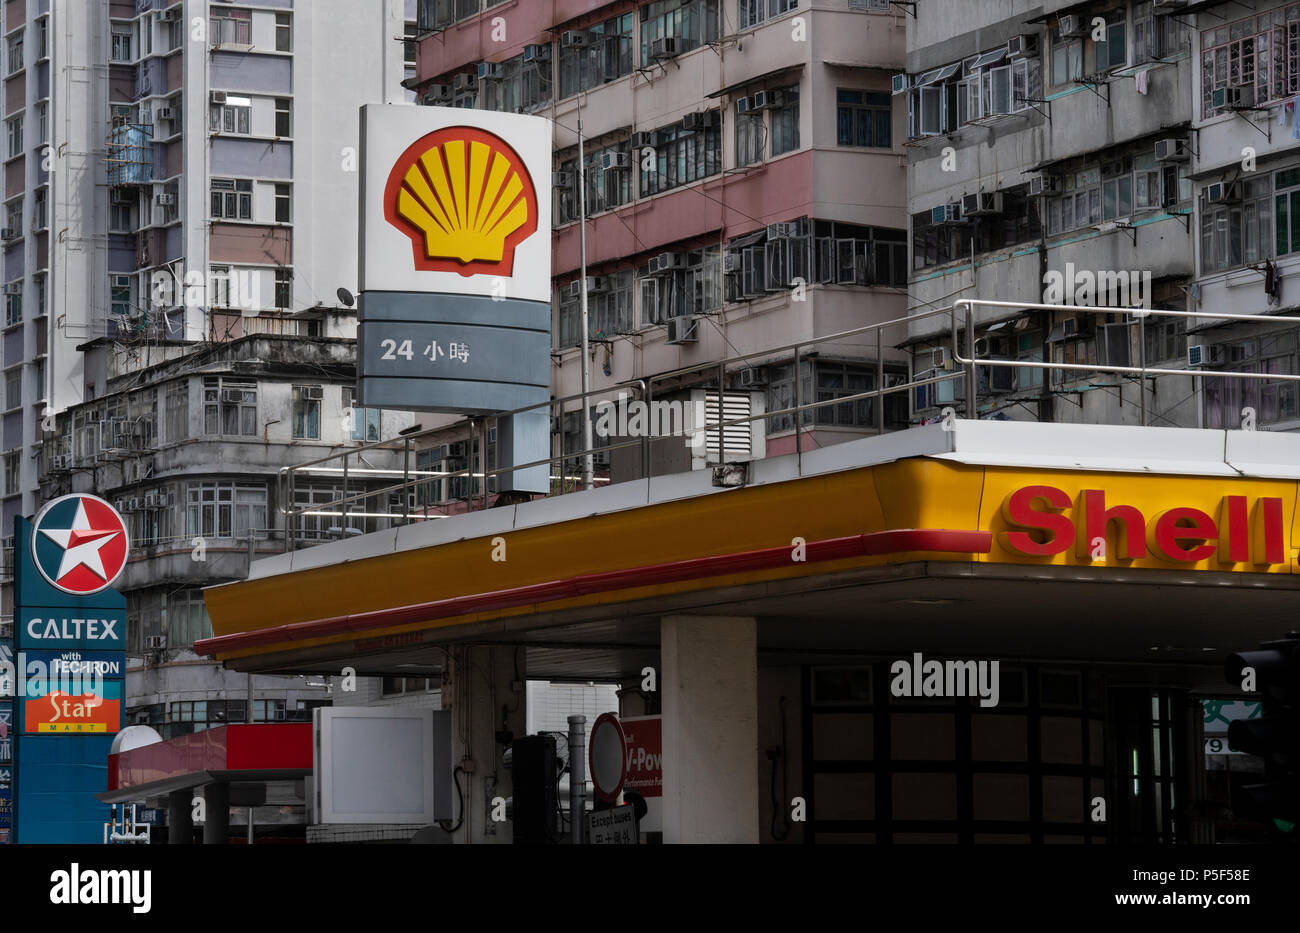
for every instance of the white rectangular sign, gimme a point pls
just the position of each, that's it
(616, 826)
(455, 201)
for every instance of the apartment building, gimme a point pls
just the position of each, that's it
(180, 191)
(744, 190)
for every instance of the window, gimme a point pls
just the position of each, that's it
(682, 156)
(397, 686)
(409, 46)
(42, 37)
(39, 202)
(1067, 61)
(975, 89)
(230, 26)
(14, 388)
(606, 57)
(15, 60)
(283, 202)
(1261, 53)
(38, 306)
(121, 48)
(1273, 401)
(43, 122)
(229, 406)
(232, 199)
(283, 288)
(38, 381)
(785, 122)
(13, 303)
(13, 466)
(690, 24)
(751, 137)
(283, 32)
(522, 87)
(121, 218)
(306, 412)
(177, 411)
(14, 130)
(609, 308)
(1286, 185)
(225, 510)
(939, 243)
(283, 121)
(833, 380)
(366, 422)
(1156, 36)
(752, 12)
(1115, 189)
(1166, 338)
(1239, 231)
(863, 118)
(14, 217)
(119, 294)
(234, 116)
(188, 622)
(608, 177)
(1112, 52)
(437, 14)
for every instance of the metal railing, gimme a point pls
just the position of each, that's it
(962, 324)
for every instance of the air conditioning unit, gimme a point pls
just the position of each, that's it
(133, 504)
(666, 261)
(313, 392)
(8, 233)
(166, 200)
(949, 213)
(986, 347)
(1022, 46)
(120, 505)
(981, 202)
(939, 358)
(731, 262)
(464, 81)
(562, 180)
(693, 122)
(1072, 26)
(436, 93)
(13, 288)
(752, 377)
(457, 451)
(779, 231)
(151, 502)
(1197, 354)
(612, 160)
(217, 97)
(768, 100)
(165, 113)
(172, 16)
(1234, 97)
(491, 70)
(597, 284)
(156, 642)
(902, 83)
(1044, 184)
(665, 47)
(60, 462)
(641, 140)
(684, 329)
(575, 39)
(1172, 150)
(232, 395)
(537, 53)
(1222, 192)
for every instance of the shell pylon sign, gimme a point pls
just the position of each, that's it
(465, 199)
(455, 270)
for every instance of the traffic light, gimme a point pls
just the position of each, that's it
(1272, 671)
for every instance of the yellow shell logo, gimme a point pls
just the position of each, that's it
(465, 200)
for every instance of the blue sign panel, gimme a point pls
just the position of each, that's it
(63, 736)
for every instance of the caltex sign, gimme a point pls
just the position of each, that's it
(79, 544)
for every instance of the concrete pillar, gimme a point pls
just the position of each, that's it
(180, 817)
(483, 698)
(709, 690)
(216, 814)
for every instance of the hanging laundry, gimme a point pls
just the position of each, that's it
(1270, 281)
(1283, 111)
(1295, 123)
(1140, 79)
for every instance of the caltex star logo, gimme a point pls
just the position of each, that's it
(79, 544)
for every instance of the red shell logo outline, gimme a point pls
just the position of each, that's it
(465, 199)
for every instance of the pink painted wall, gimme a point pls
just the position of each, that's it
(780, 190)
(16, 93)
(15, 173)
(175, 72)
(250, 243)
(524, 20)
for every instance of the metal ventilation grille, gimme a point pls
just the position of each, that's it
(734, 442)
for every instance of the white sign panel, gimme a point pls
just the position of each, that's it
(455, 201)
(616, 826)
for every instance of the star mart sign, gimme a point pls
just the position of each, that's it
(1044, 521)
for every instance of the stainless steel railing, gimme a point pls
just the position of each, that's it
(361, 483)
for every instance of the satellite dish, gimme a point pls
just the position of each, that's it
(134, 737)
(345, 297)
